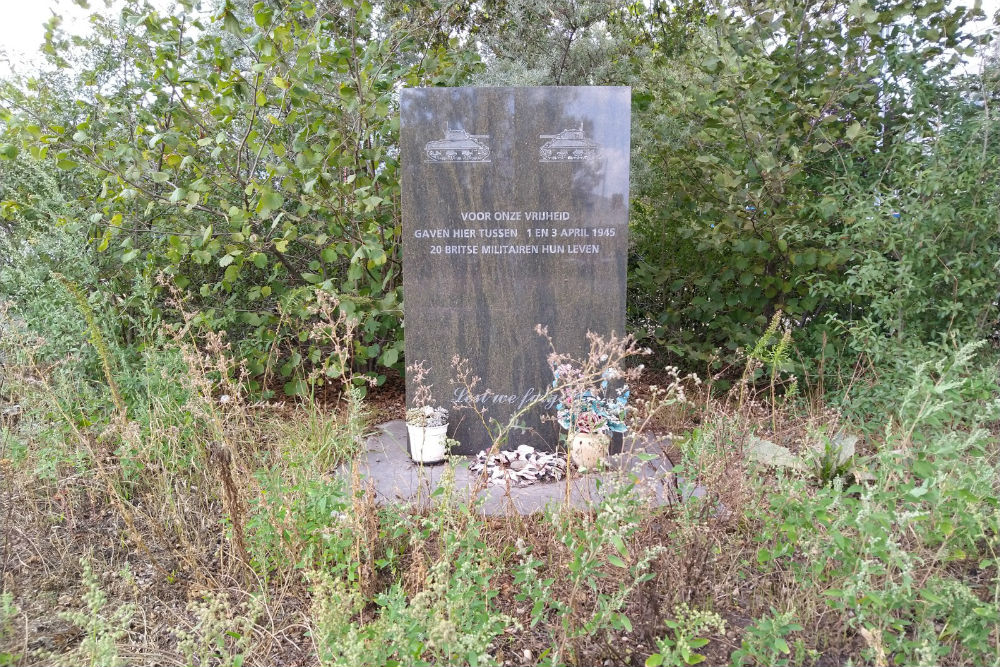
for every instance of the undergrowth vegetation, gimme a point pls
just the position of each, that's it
(196, 526)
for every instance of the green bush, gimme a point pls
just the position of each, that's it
(816, 159)
(246, 157)
(904, 555)
(452, 619)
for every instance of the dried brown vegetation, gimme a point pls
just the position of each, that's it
(203, 528)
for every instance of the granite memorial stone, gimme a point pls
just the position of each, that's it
(515, 213)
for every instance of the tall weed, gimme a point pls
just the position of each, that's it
(451, 617)
(908, 557)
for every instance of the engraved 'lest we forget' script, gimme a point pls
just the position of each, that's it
(515, 213)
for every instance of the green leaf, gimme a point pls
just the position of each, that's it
(296, 388)
(354, 272)
(390, 356)
(619, 544)
(923, 469)
(769, 453)
(616, 561)
(347, 93)
(178, 195)
(262, 15)
(232, 24)
(654, 660)
(8, 151)
(377, 256)
(280, 83)
(854, 130)
(269, 201)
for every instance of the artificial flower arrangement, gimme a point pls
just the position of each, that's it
(426, 425)
(593, 411)
(423, 413)
(590, 413)
(592, 394)
(427, 415)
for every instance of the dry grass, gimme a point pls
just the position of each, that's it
(182, 538)
(212, 515)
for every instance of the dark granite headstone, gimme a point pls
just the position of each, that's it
(515, 213)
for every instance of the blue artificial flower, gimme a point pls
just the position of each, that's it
(592, 411)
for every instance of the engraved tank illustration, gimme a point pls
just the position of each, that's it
(568, 146)
(458, 146)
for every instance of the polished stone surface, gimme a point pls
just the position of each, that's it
(515, 213)
(395, 478)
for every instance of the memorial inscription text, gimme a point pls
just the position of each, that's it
(515, 214)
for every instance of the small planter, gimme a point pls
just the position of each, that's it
(427, 443)
(586, 450)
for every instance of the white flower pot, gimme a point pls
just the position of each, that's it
(427, 443)
(586, 450)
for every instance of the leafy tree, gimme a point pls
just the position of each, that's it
(248, 153)
(554, 43)
(779, 159)
(817, 158)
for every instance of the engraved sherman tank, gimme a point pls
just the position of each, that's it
(458, 146)
(567, 146)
